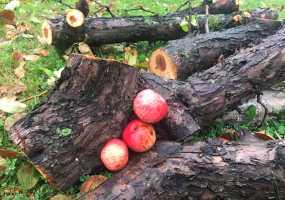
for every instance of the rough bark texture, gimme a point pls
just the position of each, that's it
(219, 7)
(98, 31)
(92, 103)
(181, 58)
(206, 170)
(83, 6)
(58, 33)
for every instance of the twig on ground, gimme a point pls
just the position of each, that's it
(140, 8)
(182, 5)
(258, 100)
(35, 96)
(107, 8)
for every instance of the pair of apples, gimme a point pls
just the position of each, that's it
(139, 135)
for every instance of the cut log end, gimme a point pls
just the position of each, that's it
(161, 64)
(47, 32)
(75, 18)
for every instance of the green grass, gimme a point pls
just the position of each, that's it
(33, 13)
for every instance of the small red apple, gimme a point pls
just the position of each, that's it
(139, 136)
(115, 155)
(150, 106)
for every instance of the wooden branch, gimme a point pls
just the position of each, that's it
(206, 170)
(181, 58)
(64, 135)
(97, 31)
(83, 6)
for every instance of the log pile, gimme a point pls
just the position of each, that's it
(92, 102)
(65, 30)
(87, 101)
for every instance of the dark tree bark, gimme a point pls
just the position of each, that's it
(57, 32)
(92, 103)
(99, 31)
(83, 6)
(181, 58)
(206, 170)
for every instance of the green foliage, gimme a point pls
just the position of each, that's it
(250, 113)
(63, 132)
(27, 176)
(184, 25)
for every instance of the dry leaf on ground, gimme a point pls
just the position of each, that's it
(20, 70)
(10, 105)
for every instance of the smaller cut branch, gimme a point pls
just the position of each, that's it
(181, 58)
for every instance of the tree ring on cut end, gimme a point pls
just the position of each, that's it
(161, 64)
(74, 18)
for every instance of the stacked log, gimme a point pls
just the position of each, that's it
(65, 30)
(209, 170)
(86, 101)
(181, 58)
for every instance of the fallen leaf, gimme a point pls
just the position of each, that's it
(10, 121)
(262, 135)
(28, 36)
(4, 42)
(92, 182)
(31, 57)
(6, 153)
(17, 56)
(10, 105)
(61, 197)
(12, 5)
(20, 70)
(84, 48)
(7, 16)
(27, 176)
(42, 52)
(11, 32)
(131, 56)
(11, 90)
(3, 166)
(23, 28)
(229, 134)
(35, 20)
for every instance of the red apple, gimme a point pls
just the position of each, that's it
(150, 106)
(115, 155)
(139, 136)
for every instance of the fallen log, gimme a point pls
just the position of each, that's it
(206, 170)
(99, 31)
(181, 58)
(92, 103)
(63, 31)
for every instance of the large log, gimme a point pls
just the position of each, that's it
(181, 58)
(92, 103)
(206, 170)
